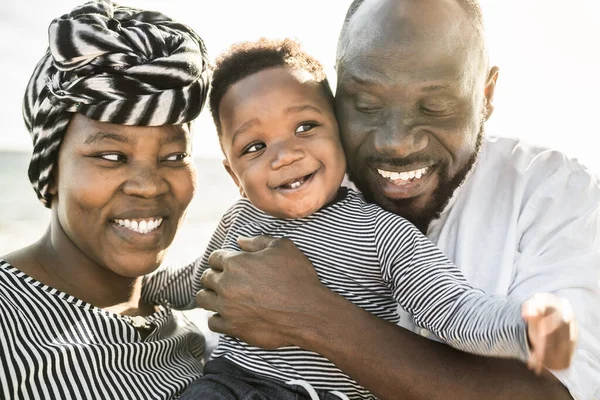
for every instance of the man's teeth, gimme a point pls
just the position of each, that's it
(403, 176)
(140, 226)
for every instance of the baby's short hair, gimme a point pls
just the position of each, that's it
(247, 58)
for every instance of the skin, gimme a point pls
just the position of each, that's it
(107, 172)
(278, 128)
(432, 91)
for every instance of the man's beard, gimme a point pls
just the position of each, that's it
(440, 197)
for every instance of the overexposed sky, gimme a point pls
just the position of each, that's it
(548, 52)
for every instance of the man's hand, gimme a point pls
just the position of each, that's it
(264, 294)
(552, 331)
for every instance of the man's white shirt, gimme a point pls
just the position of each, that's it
(527, 220)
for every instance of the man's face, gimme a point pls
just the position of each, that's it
(410, 105)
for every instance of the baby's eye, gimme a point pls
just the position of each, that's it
(254, 147)
(116, 157)
(305, 127)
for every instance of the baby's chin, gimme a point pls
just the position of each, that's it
(296, 212)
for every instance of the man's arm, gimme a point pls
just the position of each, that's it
(270, 297)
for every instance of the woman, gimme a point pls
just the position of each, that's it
(108, 108)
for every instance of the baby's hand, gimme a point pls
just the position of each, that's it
(552, 331)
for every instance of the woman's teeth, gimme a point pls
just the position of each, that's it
(406, 176)
(140, 225)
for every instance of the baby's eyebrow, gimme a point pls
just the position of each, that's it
(295, 109)
(245, 127)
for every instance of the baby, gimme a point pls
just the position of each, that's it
(273, 109)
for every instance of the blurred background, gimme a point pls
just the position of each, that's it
(548, 91)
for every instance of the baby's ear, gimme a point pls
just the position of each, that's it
(234, 177)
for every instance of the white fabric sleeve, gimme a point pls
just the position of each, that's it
(559, 252)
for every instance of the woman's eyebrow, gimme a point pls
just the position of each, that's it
(98, 136)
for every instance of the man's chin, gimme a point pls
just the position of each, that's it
(419, 210)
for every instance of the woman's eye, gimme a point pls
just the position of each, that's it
(113, 157)
(254, 147)
(305, 127)
(176, 157)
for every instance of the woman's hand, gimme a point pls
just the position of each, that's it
(266, 294)
(552, 331)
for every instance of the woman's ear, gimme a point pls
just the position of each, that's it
(234, 177)
(52, 181)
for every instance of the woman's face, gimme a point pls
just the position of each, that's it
(120, 192)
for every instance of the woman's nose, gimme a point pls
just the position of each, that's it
(146, 181)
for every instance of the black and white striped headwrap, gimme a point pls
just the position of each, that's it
(112, 64)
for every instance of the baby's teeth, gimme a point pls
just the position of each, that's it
(295, 185)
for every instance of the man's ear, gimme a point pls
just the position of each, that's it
(490, 88)
(233, 176)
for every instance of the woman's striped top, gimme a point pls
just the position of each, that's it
(54, 346)
(377, 260)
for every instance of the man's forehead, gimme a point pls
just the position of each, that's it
(426, 39)
(393, 25)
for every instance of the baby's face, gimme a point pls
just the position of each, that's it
(281, 142)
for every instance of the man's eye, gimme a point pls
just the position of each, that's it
(305, 127)
(368, 109)
(254, 147)
(436, 111)
(116, 157)
(176, 157)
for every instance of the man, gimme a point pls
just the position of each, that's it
(414, 91)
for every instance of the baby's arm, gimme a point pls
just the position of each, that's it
(178, 285)
(431, 288)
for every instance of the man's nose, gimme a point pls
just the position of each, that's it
(146, 180)
(400, 137)
(286, 153)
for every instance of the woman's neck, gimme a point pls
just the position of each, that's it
(55, 261)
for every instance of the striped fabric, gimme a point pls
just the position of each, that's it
(377, 260)
(112, 64)
(54, 346)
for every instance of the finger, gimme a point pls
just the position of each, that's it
(550, 323)
(217, 323)
(210, 279)
(540, 353)
(208, 300)
(256, 243)
(532, 308)
(218, 257)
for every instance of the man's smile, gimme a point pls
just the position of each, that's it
(405, 184)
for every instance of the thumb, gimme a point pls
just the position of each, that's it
(256, 243)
